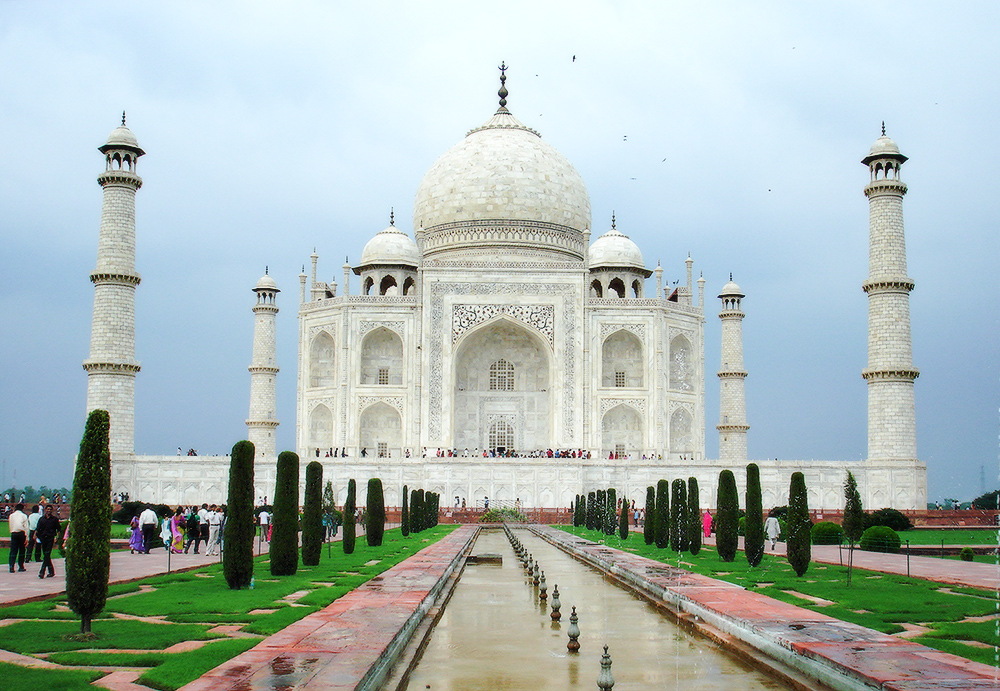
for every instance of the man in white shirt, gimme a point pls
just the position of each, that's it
(214, 523)
(265, 519)
(18, 524)
(147, 524)
(33, 546)
(203, 524)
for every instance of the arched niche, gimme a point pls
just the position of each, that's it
(382, 358)
(320, 428)
(388, 286)
(380, 423)
(621, 429)
(616, 286)
(519, 360)
(367, 285)
(622, 360)
(596, 289)
(322, 361)
(409, 285)
(681, 432)
(681, 364)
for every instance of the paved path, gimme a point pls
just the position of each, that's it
(974, 574)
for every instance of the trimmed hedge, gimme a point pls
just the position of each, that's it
(727, 518)
(662, 527)
(313, 532)
(753, 529)
(880, 538)
(284, 548)
(799, 543)
(678, 516)
(623, 519)
(891, 518)
(88, 555)
(694, 516)
(649, 522)
(237, 557)
(404, 517)
(966, 554)
(374, 513)
(827, 533)
(350, 513)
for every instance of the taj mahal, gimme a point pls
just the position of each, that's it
(508, 350)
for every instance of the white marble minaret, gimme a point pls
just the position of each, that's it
(890, 371)
(111, 367)
(732, 425)
(262, 425)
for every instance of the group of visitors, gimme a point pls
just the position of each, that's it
(185, 527)
(33, 534)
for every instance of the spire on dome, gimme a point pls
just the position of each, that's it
(392, 217)
(123, 118)
(883, 128)
(612, 220)
(503, 89)
(265, 269)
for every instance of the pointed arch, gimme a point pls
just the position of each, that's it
(621, 429)
(409, 285)
(388, 285)
(382, 358)
(617, 286)
(320, 428)
(380, 423)
(596, 289)
(622, 360)
(322, 360)
(681, 432)
(367, 285)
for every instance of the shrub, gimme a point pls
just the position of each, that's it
(753, 545)
(727, 518)
(827, 533)
(284, 549)
(88, 556)
(890, 518)
(649, 523)
(990, 500)
(591, 510)
(623, 519)
(609, 512)
(237, 557)
(404, 516)
(504, 515)
(375, 513)
(416, 510)
(678, 516)
(741, 526)
(694, 516)
(966, 554)
(350, 511)
(133, 508)
(799, 543)
(662, 527)
(312, 515)
(602, 506)
(880, 538)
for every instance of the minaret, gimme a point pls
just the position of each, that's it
(111, 367)
(732, 399)
(262, 424)
(890, 371)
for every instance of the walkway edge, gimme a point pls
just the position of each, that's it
(836, 653)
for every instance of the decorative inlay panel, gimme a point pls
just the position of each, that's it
(328, 328)
(328, 402)
(638, 329)
(465, 317)
(609, 403)
(392, 401)
(366, 326)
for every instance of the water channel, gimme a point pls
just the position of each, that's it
(496, 634)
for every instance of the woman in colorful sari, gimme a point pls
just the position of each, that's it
(135, 540)
(177, 531)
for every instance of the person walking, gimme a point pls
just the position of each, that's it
(18, 524)
(265, 518)
(147, 524)
(772, 529)
(32, 547)
(214, 524)
(706, 524)
(193, 531)
(203, 524)
(135, 538)
(45, 535)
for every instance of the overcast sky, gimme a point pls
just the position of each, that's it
(733, 131)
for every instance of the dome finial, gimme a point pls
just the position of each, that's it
(612, 220)
(392, 216)
(265, 269)
(883, 128)
(503, 89)
(730, 275)
(123, 118)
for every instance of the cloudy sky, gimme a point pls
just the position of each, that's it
(732, 131)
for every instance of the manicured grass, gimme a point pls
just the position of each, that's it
(62, 679)
(193, 602)
(950, 537)
(875, 600)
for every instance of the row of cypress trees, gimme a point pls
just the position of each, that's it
(673, 516)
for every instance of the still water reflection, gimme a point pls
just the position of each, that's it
(496, 634)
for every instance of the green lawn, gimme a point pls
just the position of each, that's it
(879, 601)
(190, 603)
(950, 537)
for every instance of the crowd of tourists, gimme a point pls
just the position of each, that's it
(186, 527)
(32, 537)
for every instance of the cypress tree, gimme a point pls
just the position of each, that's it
(312, 515)
(611, 516)
(330, 506)
(753, 530)
(694, 516)
(623, 520)
(350, 508)
(88, 556)
(375, 512)
(799, 543)
(237, 557)
(727, 520)
(422, 511)
(649, 523)
(600, 516)
(662, 528)
(415, 509)
(284, 549)
(404, 517)
(854, 519)
(678, 516)
(591, 509)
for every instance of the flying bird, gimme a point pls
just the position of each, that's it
(574, 58)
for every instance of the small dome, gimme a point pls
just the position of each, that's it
(122, 138)
(883, 148)
(615, 249)
(731, 290)
(267, 283)
(390, 246)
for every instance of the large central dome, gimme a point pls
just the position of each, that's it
(502, 192)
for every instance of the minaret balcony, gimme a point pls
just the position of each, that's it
(129, 279)
(903, 374)
(889, 284)
(732, 374)
(119, 177)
